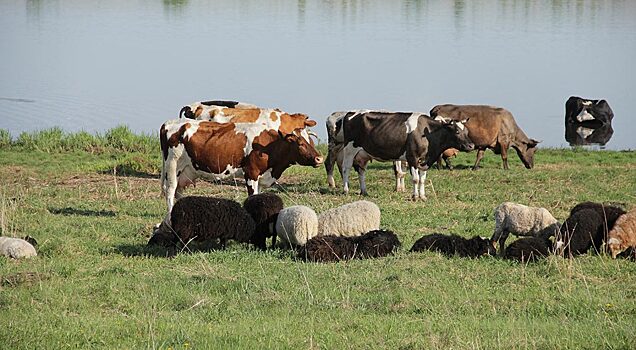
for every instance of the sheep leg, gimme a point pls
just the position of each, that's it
(480, 155)
(502, 241)
(273, 241)
(449, 166)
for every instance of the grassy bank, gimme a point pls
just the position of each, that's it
(91, 202)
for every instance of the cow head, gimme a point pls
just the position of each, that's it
(460, 134)
(616, 246)
(299, 150)
(525, 151)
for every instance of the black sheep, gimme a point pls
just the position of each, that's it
(528, 249)
(373, 244)
(579, 232)
(202, 219)
(455, 245)
(608, 214)
(264, 209)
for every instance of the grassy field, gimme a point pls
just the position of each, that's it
(91, 202)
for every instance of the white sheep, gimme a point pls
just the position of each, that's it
(521, 220)
(296, 225)
(349, 220)
(16, 248)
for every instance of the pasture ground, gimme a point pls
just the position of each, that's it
(91, 203)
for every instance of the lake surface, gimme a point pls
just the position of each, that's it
(91, 65)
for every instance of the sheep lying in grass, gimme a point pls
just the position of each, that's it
(349, 220)
(579, 231)
(203, 219)
(608, 213)
(622, 237)
(521, 220)
(450, 245)
(16, 248)
(296, 225)
(264, 209)
(373, 244)
(528, 249)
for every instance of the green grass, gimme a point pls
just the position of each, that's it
(91, 202)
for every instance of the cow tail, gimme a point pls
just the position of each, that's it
(164, 154)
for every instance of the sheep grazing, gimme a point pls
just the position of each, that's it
(16, 248)
(450, 245)
(608, 213)
(622, 237)
(264, 209)
(521, 220)
(579, 231)
(373, 244)
(296, 225)
(203, 219)
(528, 249)
(349, 220)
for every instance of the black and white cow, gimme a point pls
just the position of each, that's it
(579, 110)
(392, 136)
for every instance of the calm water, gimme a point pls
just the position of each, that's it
(91, 65)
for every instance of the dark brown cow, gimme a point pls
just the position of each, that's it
(260, 151)
(491, 127)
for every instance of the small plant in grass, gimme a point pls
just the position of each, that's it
(5, 138)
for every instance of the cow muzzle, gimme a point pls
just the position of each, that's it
(318, 161)
(467, 147)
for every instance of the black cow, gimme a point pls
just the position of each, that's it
(390, 136)
(579, 110)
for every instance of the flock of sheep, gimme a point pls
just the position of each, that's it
(353, 230)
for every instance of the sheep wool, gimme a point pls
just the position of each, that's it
(373, 244)
(579, 231)
(203, 219)
(349, 220)
(528, 249)
(522, 220)
(296, 225)
(451, 245)
(623, 235)
(16, 248)
(264, 209)
(608, 214)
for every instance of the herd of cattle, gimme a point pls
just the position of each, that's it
(219, 139)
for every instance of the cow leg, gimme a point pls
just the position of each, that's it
(329, 163)
(422, 184)
(399, 176)
(504, 156)
(449, 165)
(363, 183)
(480, 155)
(347, 164)
(415, 176)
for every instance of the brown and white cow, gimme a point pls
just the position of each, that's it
(260, 149)
(491, 127)
(208, 110)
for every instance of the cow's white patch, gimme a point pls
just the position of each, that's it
(267, 179)
(584, 132)
(262, 123)
(584, 115)
(440, 118)
(461, 126)
(194, 126)
(411, 122)
(587, 103)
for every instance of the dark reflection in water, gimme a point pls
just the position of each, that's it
(590, 133)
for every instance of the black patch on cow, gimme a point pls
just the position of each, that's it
(229, 104)
(226, 172)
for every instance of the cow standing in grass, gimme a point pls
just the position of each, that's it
(260, 149)
(491, 127)
(391, 136)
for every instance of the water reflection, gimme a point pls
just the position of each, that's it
(588, 133)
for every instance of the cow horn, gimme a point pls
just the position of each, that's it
(311, 133)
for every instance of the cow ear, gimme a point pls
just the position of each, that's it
(310, 122)
(465, 120)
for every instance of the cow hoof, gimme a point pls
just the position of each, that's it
(423, 198)
(364, 194)
(475, 168)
